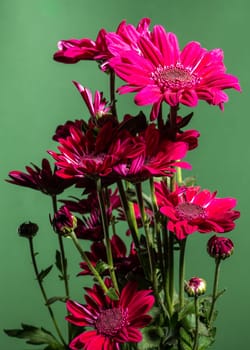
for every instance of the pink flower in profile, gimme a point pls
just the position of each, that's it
(74, 50)
(162, 72)
(191, 209)
(113, 322)
(97, 107)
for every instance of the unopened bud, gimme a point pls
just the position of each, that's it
(28, 229)
(220, 247)
(195, 286)
(64, 221)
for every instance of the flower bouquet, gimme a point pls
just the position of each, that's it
(133, 206)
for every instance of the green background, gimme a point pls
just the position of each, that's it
(37, 95)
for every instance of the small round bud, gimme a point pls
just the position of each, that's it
(220, 247)
(64, 221)
(28, 229)
(195, 286)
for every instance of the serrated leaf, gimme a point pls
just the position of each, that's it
(54, 299)
(186, 339)
(43, 273)
(205, 342)
(187, 309)
(35, 335)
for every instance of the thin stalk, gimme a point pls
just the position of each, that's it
(129, 215)
(88, 262)
(149, 242)
(40, 283)
(131, 220)
(105, 227)
(112, 93)
(63, 263)
(196, 310)
(215, 290)
(157, 233)
(182, 272)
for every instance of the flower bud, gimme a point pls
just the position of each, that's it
(28, 229)
(220, 247)
(195, 286)
(64, 221)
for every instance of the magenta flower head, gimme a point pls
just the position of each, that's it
(195, 286)
(64, 221)
(160, 72)
(191, 209)
(220, 247)
(113, 322)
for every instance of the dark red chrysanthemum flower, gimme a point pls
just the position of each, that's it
(160, 71)
(93, 154)
(41, 179)
(157, 159)
(63, 131)
(191, 209)
(123, 263)
(112, 322)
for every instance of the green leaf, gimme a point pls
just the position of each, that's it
(205, 342)
(186, 310)
(186, 340)
(43, 273)
(36, 336)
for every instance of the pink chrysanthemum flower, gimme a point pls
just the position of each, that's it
(191, 209)
(97, 107)
(113, 322)
(162, 72)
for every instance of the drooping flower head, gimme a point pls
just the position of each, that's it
(160, 71)
(191, 209)
(113, 322)
(41, 179)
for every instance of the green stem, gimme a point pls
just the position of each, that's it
(215, 290)
(196, 310)
(40, 283)
(149, 242)
(112, 93)
(182, 272)
(129, 215)
(105, 226)
(88, 262)
(63, 264)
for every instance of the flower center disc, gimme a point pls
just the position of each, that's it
(111, 321)
(190, 211)
(174, 77)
